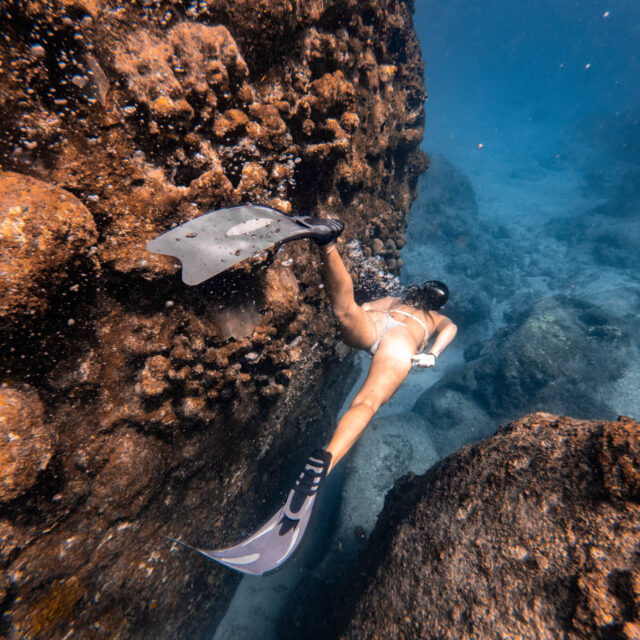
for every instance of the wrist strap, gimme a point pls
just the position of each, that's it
(432, 354)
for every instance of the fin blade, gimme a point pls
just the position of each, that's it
(218, 240)
(275, 542)
(263, 552)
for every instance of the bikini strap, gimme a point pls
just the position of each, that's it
(410, 315)
(423, 344)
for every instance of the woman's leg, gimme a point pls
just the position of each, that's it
(389, 368)
(357, 331)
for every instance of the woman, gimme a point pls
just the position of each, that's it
(392, 331)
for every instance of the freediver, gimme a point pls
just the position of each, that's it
(394, 331)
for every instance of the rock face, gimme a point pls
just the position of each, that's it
(44, 231)
(158, 409)
(27, 444)
(532, 533)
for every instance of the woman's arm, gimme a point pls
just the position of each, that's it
(446, 332)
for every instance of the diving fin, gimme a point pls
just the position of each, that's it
(275, 543)
(218, 240)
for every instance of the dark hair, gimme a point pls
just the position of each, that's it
(430, 296)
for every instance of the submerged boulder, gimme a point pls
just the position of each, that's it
(610, 230)
(532, 533)
(605, 150)
(26, 441)
(45, 233)
(481, 264)
(562, 355)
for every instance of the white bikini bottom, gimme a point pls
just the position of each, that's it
(390, 323)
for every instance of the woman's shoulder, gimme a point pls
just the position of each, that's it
(438, 316)
(439, 319)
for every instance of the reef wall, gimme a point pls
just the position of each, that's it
(532, 533)
(132, 406)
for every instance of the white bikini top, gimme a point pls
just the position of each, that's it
(410, 315)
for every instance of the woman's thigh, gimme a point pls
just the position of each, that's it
(389, 368)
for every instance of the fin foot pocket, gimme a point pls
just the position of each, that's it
(276, 542)
(322, 230)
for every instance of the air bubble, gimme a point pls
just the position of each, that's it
(79, 81)
(37, 51)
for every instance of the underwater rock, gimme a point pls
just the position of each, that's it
(531, 533)
(610, 230)
(560, 355)
(604, 147)
(45, 235)
(151, 114)
(483, 267)
(26, 441)
(370, 278)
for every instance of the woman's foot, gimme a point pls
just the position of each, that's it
(322, 230)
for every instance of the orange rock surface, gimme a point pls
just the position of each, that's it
(45, 235)
(170, 409)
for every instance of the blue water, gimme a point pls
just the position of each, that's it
(537, 106)
(499, 72)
